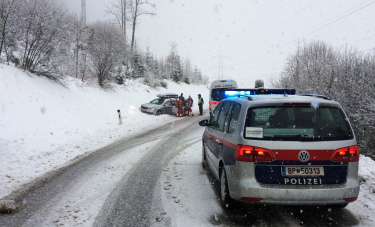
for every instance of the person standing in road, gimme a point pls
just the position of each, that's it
(200, 104)
(180, 107)
(189, 103)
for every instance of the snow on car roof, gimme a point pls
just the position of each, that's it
(167, 95)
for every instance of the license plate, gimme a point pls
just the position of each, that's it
(302, 171)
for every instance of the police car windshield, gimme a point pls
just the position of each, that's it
(297, 123)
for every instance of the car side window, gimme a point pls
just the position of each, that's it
(223, 115)
(233, 119)
(228, 117)
(215, 115)
(158, 101)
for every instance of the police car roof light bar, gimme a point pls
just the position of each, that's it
(259, 91)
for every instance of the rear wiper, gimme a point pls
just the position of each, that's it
(305, 138)
(293, 137)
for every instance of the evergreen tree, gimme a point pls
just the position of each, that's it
(138, 67)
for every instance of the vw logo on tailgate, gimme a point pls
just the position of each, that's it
(303, 156)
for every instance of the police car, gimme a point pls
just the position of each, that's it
(270, 146)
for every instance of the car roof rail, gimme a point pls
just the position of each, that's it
(316, 95)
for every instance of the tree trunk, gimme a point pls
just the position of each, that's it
(134, 24)
(123, 22)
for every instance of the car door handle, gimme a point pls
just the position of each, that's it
(219, 142)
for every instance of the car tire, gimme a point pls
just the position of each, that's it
(225, 199)
(158, 113)
(204, 160)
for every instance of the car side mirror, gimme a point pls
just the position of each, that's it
(204, 122)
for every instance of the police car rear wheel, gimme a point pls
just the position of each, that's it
(204, 160)
(226, 200)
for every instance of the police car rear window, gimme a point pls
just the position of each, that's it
(297, 123)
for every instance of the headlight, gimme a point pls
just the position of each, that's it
(153, 109)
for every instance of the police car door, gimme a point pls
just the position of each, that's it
(212, 134)
(219, 133)
(230, 138)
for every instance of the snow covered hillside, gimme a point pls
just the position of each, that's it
(44, 126)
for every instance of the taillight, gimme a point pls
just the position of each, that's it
(251, 199)
(253, 154)
(350, 199)
(212, 103)
(346, 154)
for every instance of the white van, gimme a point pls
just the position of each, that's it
(216, 91)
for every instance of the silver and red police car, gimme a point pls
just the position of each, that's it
(267, 147)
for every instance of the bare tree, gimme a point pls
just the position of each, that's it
(136, 9)
(42, 28)
(8, 10)
(105, 50)
(128, 11)
(80, 35)
(118, 9)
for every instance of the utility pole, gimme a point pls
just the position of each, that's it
(80, 47)
(220, 65)
(83, 13)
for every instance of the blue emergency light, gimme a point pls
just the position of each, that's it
(230, 93)
(259, 91)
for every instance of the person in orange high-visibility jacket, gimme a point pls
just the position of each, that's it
(189, 103)
(180, 107)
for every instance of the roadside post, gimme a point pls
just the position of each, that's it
(119, 117)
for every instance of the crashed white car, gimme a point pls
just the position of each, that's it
(164, 104)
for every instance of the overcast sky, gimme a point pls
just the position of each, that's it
(246, 40)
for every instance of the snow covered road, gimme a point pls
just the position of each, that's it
(122, 176)
(152, 179)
